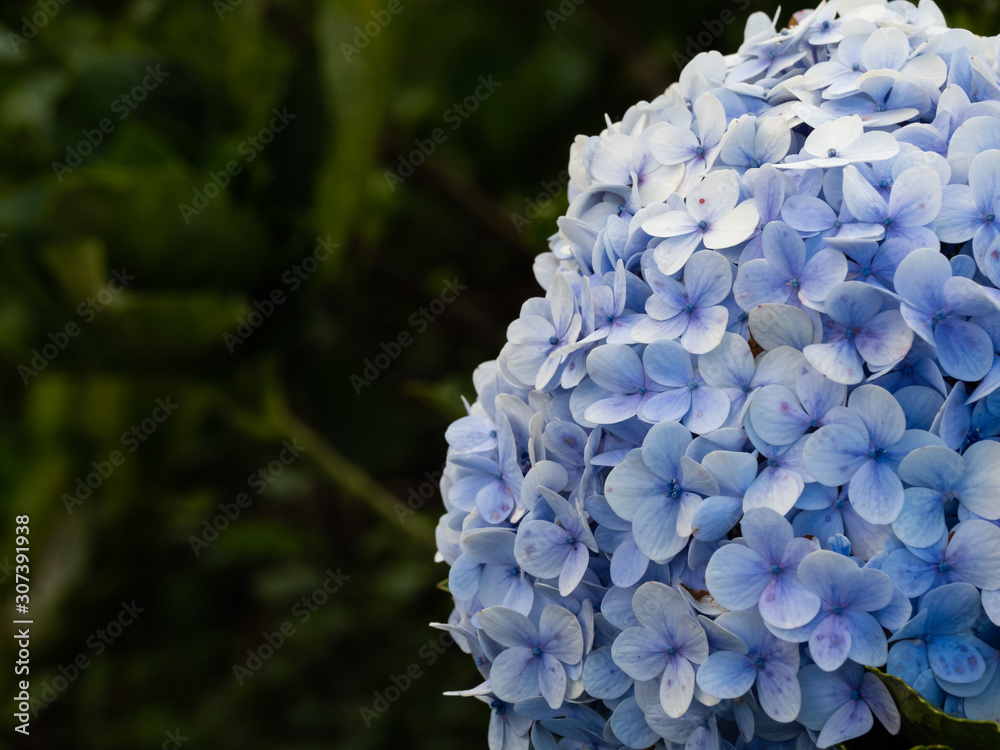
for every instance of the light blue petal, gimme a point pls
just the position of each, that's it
(876, 492)
(736, 576)
(655, 529)
(496, 500)
(787, 604)
(876, 696)
(921, 520)
(977, 489)
(616, 368)
(663, 447)
(551, 680)
(514, 674)
(629, 725)
(541, 548)
(758, 283)
(640, 653)
(668, 363)
(965, 350)
(725, 674)
(834, 453)
(602, 678)
(912, 575)
(708, 277)
(838, 360)
(729, 365)
(868, 644)
(974, 553)
(777, 415)
(630, 484)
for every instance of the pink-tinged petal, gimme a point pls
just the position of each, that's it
(830, 643)
(786, 603)
(677, 687)
(915, 199)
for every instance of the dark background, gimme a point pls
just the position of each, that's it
(336, 506)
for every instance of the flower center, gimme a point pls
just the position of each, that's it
(689, 307)
(758, 662)
(775, 569)
(943, 567)
(642, 390)
(673, 489)
(553, 340)
(772, 462)
(855, 694)
(536, 651)
(771, 55)
(754, 163)
(866, 271)
(881, 108)
(498, 476)
(570, 540)
(856, 66)
(700, 151)
(848, 333)
(671, 650)
(794, 283)
(879, 455)
(838, 610)
(702, 224)
(887, 221)
(940, 315)
(513, 571)
(609, 318)
(884, 184)
(745, 387)
(493, 433)
(991, 218)
(838, 223)
(692, 385)
(831, 153)
(826, 24)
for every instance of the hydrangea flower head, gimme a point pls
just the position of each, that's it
(747, 442)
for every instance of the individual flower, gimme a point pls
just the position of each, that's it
(914, 202)
(842, 705)
(844, 141)
(858, 332)
(666, 646)
(784, 276)
(657, 488)
(562, 549)
(535, 659)
(688, 311)
(844, 628)
(712, 216)
(864, 444)
(770, 663)
(762, 571)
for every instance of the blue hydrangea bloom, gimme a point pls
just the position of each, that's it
(753, 421)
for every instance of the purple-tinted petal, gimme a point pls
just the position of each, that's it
(955, 659)
(541, 548)
(616, 368)
(868, 644)
(974, 553)
(602, 677)
(862, 199)
(877, 696)
(912, 575)
(851, 720)
(786, 603)
(628, 564)
(677, 687)
(830, 643)
(779, 692)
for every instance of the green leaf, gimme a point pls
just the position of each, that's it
(922, 722)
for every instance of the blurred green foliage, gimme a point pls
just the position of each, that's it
(72, 213)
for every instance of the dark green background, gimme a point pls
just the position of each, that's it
(163, 336)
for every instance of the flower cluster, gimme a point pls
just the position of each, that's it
(748, 443)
